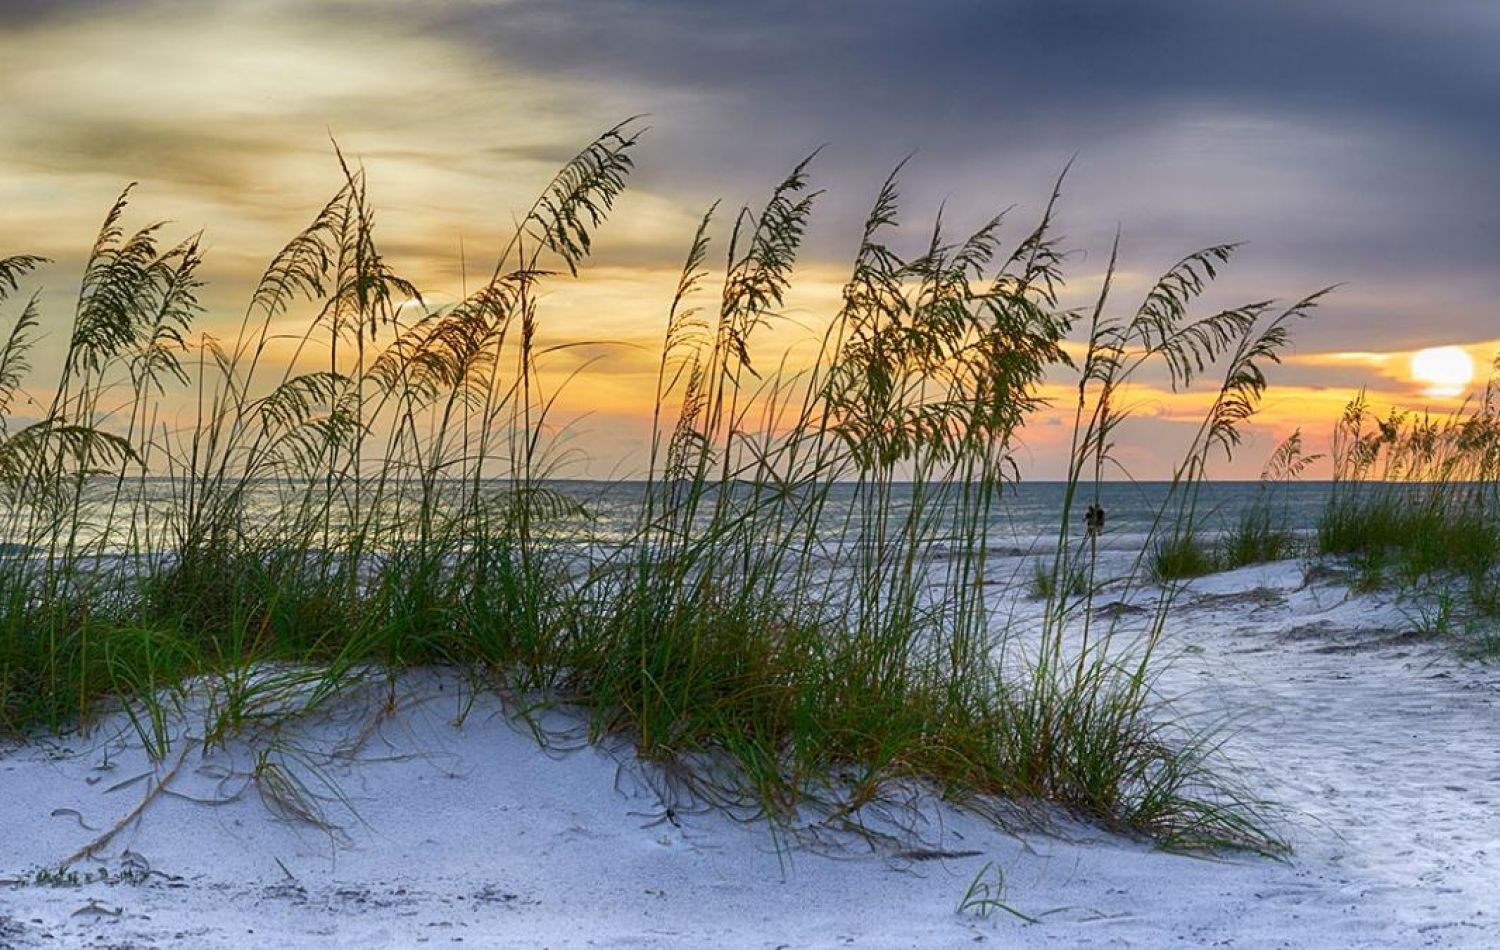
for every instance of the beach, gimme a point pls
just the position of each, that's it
(1365, 735)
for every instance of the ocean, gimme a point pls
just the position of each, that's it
(1027, 518)
(1025, 522)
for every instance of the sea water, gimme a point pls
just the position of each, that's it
(1025, 521)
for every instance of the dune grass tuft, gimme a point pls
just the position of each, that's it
(1415, 500)
(1182, 555)
(799, 612)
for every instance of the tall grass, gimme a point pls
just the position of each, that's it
(801, 615)
(1261, 532)
(1417, 495)
(1180, 555)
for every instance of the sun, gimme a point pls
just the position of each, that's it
(1442, 370)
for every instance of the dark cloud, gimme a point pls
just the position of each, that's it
(20, 13)
(1047, 67)
(1343, 141)
(1346, 142)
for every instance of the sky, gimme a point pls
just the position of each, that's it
(1344, 143)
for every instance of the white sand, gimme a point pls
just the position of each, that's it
(1383, 751)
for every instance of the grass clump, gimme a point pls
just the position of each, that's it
(1182, 555)
(799, 590)
(1044, 586)
(1256, 537)
(1261, 533)
(1415, 497)
(986, 894)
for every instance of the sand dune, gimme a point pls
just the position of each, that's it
(1378, 745)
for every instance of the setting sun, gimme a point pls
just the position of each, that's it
(1442, 370)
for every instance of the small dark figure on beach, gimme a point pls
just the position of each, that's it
(1093, 519)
